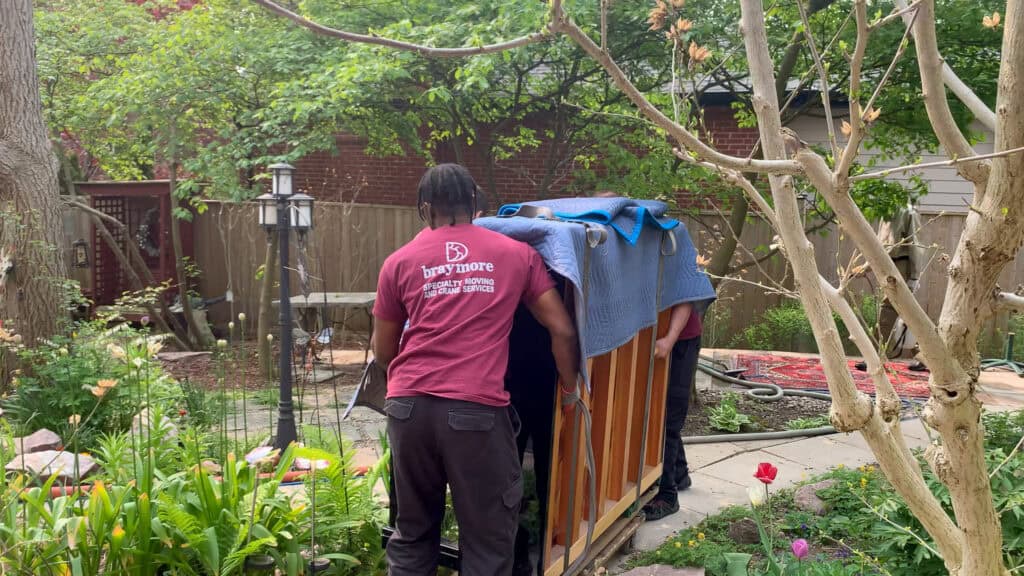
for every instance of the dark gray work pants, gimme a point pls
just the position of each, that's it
(436, 442)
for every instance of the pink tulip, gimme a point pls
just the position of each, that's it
(800, 548)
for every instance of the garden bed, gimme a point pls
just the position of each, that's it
(786, 414)
(846, 522)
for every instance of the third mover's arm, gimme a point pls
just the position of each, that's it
(551, 313)
(677, 321)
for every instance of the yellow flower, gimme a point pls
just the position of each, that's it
(153, 347)
(841, 467)
(679, 544)
(871, 469)
(97, 391)
(75, 420)
(691, 544)
(106, 383)
(118, 532)
(863, 482)
(116, 351)
(700, 536)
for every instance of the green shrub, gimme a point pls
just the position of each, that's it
(783, 327)
(786, 327)
(92, 381)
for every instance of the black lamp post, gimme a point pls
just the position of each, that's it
(282, 211)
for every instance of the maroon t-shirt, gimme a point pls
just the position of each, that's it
(458, 286)
(693, 327)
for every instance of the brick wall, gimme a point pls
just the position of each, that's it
(351, 174)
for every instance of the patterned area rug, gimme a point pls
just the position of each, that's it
(807, 373)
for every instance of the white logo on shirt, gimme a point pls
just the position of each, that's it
(455, 251)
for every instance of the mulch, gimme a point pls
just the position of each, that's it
(767, 416)
(806, 373)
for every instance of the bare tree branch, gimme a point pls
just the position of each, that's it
(897, 13)
(826, 93)
(953, 162)
(860, 8)
(429, 51)
(1010, 301)
(934, 91)
(904, 42)
(962, 91)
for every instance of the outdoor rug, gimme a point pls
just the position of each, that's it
(807, 373)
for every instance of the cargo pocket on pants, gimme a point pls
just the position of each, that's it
(513, 495)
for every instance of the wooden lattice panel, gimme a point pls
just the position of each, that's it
(108, 276)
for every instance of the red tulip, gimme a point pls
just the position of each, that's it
(766, 472)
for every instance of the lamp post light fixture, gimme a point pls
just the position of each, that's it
(281, 211)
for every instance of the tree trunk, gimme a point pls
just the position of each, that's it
(719, 265)
(266, 314)
(194, 333)
(31, 226)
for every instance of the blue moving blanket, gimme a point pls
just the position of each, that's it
(623, 285)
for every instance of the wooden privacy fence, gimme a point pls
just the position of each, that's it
(343, 253)
(351, 241)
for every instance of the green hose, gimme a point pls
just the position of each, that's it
(765, 392)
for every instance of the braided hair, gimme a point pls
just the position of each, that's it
(446, 190)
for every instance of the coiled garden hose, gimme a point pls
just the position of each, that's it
(765, 392)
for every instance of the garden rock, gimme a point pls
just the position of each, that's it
(307, 464)
(37, 441)
(806, 498)
(211, 467)
(179, 356)
(660, 570)
(48, 462)
(744, 532)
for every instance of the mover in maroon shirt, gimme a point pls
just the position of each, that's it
(449, 421)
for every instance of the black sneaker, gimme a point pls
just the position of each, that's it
(683, 482)
(917, 366)
(658, 509)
